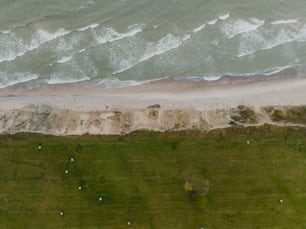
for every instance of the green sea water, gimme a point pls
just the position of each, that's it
(125, 42)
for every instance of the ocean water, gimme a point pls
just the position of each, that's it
(126, 42)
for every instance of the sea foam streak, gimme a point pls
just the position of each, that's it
(103, 36)
(212, 22)
(12, 42)
(15, 78)
(58, 79)
(64, 59)
(198, 29)
(288, 21)
(164, 45)
(254, 42)
(92, 26)
(15, 47)
(109, 34)
(241, 26)
(114, 82)
(224, 17)
(265, 72)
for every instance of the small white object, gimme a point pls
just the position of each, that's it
(39, 147)
(100, 198)
(129, 223)
(248, 142)
(72, 159)
(80, 187)
(61, 213)
(281, 201)
(66, 171)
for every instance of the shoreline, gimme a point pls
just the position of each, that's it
(283, 89)
(72, 109)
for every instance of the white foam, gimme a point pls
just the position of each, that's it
(186, 37)
(275, 70)
(224, 17)
(92, 26)
(64, 59)
(287, 21)
(198, 29)
(257, 21)
(206, 77)
(114, 82)
(17, 47)
(109, 34)
(212, 22)
(266, 72)
(88, 5)
(164, 45)
(103, 36)
(56, 79)
(255, 42)
(241, 26)
(11, 79)
(213, 77)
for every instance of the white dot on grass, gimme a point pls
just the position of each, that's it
(100, 198)
(66, 171)
(129, 223)
(80, 187)
(61, 213)
(281, 201)
(248, 142)
(39, 147)
(72, 159)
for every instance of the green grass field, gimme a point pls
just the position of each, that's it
(141, 179)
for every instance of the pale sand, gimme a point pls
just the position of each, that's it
(73, 109)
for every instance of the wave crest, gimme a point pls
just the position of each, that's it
(232, 29)
(15, 78)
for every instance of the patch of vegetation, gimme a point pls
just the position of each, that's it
(243, 114)
(174, 145)
(296, 114)
(153, 113)
(184, 179)
(278, 115)
(177, 126)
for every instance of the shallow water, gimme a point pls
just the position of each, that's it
(138, 40)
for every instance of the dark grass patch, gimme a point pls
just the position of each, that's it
(243, 114)
(296, 114)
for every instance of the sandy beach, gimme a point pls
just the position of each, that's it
(66, 109)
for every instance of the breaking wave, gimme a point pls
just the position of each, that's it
(239, 26)
(15, 78)
(262, 40)
(164, 45)
(13, 46)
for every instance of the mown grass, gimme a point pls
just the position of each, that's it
(141, 177)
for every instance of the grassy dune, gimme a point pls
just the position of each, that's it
(141, 179)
